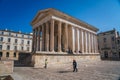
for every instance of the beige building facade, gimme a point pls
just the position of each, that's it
(12, 43)
(109, 44)
(61, 35)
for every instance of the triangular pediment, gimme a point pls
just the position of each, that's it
(53, 12)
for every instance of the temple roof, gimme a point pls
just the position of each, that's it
(54, 12)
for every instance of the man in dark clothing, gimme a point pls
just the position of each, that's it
(75, 66)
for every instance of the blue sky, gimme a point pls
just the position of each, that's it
(17, 14)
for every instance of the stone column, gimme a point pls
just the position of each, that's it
(47, 37)
(66, 37)
(96, 43)
(70, 39)
(82, 41)
(76, 40)
(89, 44)
(85, 41)
(43, 38)
(59, 36)
(52, 36)
(92, 43)
(33, 41)
(38, 39)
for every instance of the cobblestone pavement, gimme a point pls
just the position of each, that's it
(93, 70)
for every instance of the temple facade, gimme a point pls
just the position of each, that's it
(55, 32)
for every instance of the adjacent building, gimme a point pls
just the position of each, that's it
(109, 44)
(12, 43)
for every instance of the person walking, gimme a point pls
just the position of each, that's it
(46, 62)
(75, 66)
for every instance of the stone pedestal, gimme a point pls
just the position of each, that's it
(38, 59)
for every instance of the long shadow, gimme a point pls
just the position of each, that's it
(64, 71)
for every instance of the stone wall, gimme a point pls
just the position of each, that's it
(38, 60)
(6, 67)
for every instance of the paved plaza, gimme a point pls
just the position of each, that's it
(88, 70)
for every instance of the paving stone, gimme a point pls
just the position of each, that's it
(93, 70)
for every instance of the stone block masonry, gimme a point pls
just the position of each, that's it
(6, 67)
(38, 60)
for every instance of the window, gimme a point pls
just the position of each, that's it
(8, 47)
(22, 48)
(2, 33)
(9, 39)
(14, 54)
(0, 47)
(16, 35)
(104, 39)
(15, 40)
(1, 54)
(9, 33)
(28, 36)
(1, 38)
(22, 36)
(28, 42)
(22, 42)
(7, 54)
(27, 48)
(118, 42)
(15, 47)
(112, 38)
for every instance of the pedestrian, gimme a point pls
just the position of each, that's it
(75, 66)
(46, 62)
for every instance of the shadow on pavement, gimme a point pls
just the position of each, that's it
(64, 71)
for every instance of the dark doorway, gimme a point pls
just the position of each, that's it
(1, 54)
(106, 54)
(24, 59)
(119, 55)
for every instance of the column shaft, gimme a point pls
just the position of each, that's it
(89, 44)
(76, 40)
(80, 40)
(47, 37)
(33, 41)
(66, 37)
(59, 36)
(96, 44)
(92, 43)
(39, 39)
(43, 38)
(52, 35)
(70, 39)
(84, 41)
